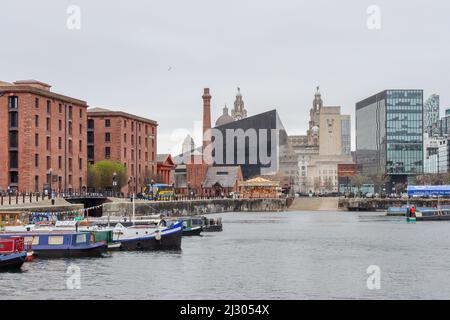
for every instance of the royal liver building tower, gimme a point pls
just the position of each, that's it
(325, 145)
(239, 111)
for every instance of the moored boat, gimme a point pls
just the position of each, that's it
(143, 238)
(432, 214)
(212, 224)
(59, 244)
(12, 253)
(192, 226)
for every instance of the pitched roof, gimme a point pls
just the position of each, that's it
(164, 157)
(103, 112)
(225, 176)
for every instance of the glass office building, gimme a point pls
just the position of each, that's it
(431, 113)
(389, 134)
(346, 135)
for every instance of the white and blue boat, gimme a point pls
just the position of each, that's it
(62, 244)
(140, 237)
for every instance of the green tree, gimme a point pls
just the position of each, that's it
(101, 174)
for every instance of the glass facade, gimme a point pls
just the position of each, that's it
(431, 114)
(346, 135)
(389, 133)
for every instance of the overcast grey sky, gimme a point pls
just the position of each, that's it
(153, 58)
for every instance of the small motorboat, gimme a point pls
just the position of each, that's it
(12, 253)
(144, 238)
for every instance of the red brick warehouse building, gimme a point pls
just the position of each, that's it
(43, 137)
(125, 138)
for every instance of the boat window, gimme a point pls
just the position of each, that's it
(55, 240)
(33, 240)
(81, 238)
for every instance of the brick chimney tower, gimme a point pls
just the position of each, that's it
(206, 118)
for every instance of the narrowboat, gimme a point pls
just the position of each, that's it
(60, 244)
(96, 233)
(192, 226)
(144, 238)
(12, 253)
(212, 224)
(432, 214)
(196, 224)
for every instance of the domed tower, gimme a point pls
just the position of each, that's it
(188, 144)
(239, 111)
(224, 118)
(314, 114)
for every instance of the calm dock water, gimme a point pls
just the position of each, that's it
(293, 255)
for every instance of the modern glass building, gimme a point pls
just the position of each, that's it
(389, 134)
(346, 135)
(431, 114)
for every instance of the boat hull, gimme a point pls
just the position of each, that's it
(433, 218)
(170, 241)
(188, 232)
(213, 228)
(91, 251)
(12, 261)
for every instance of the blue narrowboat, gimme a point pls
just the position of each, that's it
(60, 244)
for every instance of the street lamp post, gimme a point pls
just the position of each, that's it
(114, 184)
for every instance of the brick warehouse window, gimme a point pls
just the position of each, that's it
(36, 103)
(14, 160)
(14, 177)
(36, 183)
(81, 113)
(80, 144)
(60, 162)
(70, 164)
(49, 107)
(70, 127)
(107, 123)
(60, 125)
(80, 163)
(70, 147)
(59, 143)
(49, 128)
(107, 137)
(60, 108)
(13, 119)
(124, 152)
(107, 152)
(49, 162)
(49, 144)
(13, 139)
(125, 138)
(13, 102)
(36, 160)
(70, 112)
(36, 139)
(36, 121)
